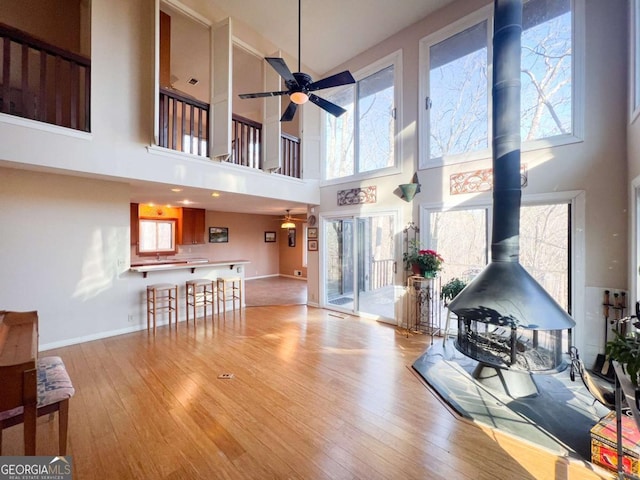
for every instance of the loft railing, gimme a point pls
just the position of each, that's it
(43, 82)
(290, 156)
(184, 126)
(246, 142)
(246, 137)
(184, 123)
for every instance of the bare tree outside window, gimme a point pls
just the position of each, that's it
(363, 138)
(459, 84)
(546, 69)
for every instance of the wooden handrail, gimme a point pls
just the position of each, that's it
(183, 97)
(21, 37)
(59, 91)
(175, 132)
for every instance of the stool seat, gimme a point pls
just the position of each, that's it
(199, 292)
(161, 297)
(229, 288)
(54, 389)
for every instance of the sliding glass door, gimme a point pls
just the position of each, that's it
(359, 266)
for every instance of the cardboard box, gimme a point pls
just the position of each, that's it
(604, 450)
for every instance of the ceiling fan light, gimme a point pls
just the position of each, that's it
(299, 98)
(288, 224)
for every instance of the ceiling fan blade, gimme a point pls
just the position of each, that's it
(288, 114)
(332, 108)
(342, 78)
(280, 66)
(262, 94)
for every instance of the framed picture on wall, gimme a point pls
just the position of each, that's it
(312, 232)
(269, 237)
(292, 237)
(218, 234)
(312, 245)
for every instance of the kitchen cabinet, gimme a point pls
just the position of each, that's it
(135, 226)
(191, 228)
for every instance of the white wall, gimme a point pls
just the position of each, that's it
(64, 252)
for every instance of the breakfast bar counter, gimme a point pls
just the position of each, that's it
(146, 267)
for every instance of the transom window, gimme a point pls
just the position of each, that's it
(456, 84)
(362, 140)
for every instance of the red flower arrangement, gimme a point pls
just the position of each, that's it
(423, 260)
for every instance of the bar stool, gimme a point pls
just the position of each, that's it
(161, 296)
(229, 289)
(199, 293)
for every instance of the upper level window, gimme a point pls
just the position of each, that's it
(456, 83)
(363, 139)
(546, 97)
(459, 117)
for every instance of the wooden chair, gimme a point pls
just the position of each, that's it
(54, 391)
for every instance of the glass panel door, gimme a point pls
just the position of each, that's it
(339, 267)
(360, 265)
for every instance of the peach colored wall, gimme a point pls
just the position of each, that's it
(246, 241)
(54, 21)
(291, 257)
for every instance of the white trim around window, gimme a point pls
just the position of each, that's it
(394, 59)
(578, 243)
(486, 14)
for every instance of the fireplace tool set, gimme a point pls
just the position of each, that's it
(614, 319)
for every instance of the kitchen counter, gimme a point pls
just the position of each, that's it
(148, 266)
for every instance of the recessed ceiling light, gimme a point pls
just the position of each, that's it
(186, 202)
(176, 190)
(215, 194)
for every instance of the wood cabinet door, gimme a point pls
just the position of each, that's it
(134, 225)
(192, 229)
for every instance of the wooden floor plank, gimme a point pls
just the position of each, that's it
(314, 396)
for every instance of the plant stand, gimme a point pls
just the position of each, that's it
(423, 307)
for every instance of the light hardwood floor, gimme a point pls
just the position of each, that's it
(314, 396)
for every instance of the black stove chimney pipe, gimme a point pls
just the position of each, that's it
(505, 246)
(504, 293)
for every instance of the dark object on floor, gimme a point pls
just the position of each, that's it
(604, 396)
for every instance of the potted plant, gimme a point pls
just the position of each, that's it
(424, 262)
(450, 289)
(625, 349)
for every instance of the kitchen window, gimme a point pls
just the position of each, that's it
(157, 236)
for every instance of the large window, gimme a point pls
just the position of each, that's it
(458, 107)
(363, 139)
(456, 83)
(461, 237)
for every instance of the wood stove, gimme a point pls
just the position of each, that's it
(506, 320)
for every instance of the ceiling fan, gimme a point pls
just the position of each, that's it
(300, 85)
(288, 221)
